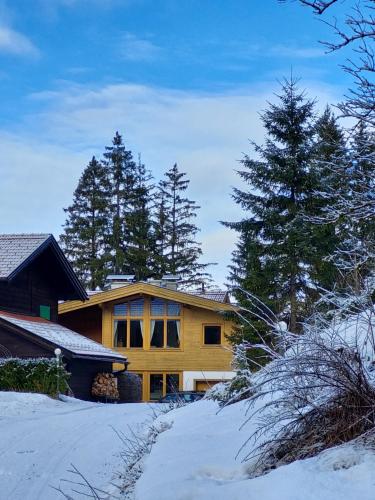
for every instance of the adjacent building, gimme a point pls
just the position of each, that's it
(34, 277)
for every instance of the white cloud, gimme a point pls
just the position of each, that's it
(291, 51)
(205, 133)
(13, 42)
(133, 48)
(243, 50)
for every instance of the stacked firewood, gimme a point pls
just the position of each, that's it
(105, 385)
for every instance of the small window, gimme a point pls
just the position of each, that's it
(120, 309)
(212, 334)
(157, 333)
(157, 307)
(45, 312)
(136, 333)
(120, 327)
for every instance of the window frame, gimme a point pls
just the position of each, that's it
(164, 382)
(165, 318)
(128, 318)
(210, 346)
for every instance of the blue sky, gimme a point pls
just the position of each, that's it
(182, 80)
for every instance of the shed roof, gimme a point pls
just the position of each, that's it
(60, 336)
(17, 251)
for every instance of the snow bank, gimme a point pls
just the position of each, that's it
(41, 438)
(195, 460)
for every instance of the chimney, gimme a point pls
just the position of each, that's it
(117, 280)
(170, 281)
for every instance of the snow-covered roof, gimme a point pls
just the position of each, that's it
(61, 336)
(16, 248)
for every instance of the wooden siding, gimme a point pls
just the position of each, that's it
(87, 322)
(21, 347)
(83, 373)
(33, 287)
(191, 356)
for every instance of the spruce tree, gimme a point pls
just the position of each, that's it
(86, 228)
(329, 150)
(355, 253)
(121, 171)
(274, 237)
(138, 225)
(175, 231)
(160, 233)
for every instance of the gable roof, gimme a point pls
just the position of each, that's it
(56, 335)
(146, 289)
(17, 251)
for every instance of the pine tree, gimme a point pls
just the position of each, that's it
(175, 231)
(86, 227)
(138, 225)
(121, 170)
(278, 257)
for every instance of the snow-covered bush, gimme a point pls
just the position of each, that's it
(319, 389)
(42, 375)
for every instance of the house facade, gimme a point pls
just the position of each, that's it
(172, 339)
(34, 277)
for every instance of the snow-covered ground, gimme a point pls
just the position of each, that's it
(41, 437)
(195, 460)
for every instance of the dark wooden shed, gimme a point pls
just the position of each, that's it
(34, 276)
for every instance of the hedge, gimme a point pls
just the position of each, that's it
(42, 375)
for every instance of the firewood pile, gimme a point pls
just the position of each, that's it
(105, 385)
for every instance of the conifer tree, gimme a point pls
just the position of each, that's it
(329, 150)
(355, 255)
(121, 171)
(175, 231)
(160, 233)
(86, 227)
(275, 239)
(138, 225)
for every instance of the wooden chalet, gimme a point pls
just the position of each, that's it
(34, 277)
(172, 339)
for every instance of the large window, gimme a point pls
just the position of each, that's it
(212, 334)
(165, 326)
(127, 328)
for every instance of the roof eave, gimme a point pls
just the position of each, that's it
(109, 359)
(128, 290)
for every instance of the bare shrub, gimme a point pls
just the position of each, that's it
(317, 392)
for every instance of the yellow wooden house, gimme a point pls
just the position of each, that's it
(172, 339)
